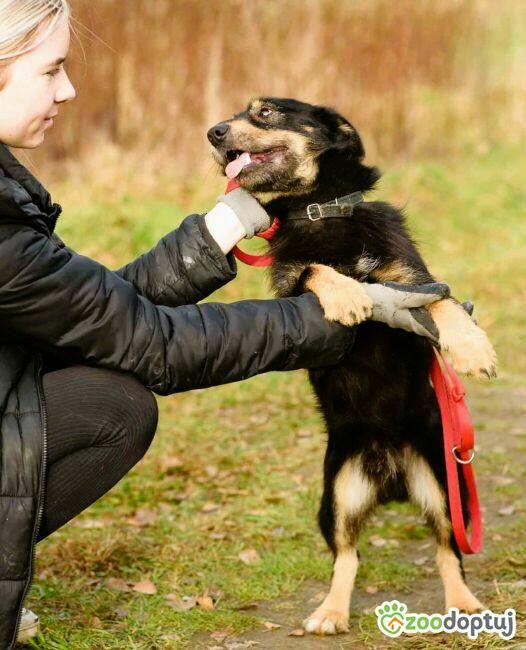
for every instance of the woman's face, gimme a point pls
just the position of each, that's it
(36, 86)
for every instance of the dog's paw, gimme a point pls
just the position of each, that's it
(471, 353)
(464, 601)
(342, 298)
(468, 346)
(326, 621)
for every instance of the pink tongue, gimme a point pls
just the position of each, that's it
(233, 168)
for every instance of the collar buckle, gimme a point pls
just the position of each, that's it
(312, 208)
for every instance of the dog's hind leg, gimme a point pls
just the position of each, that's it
(348, 498)
(425, 490)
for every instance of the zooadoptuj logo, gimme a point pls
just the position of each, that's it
(393, 619)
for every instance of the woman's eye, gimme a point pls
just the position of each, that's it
(53, 73)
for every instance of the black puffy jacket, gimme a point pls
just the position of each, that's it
(142, 319)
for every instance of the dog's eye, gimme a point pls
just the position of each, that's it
(265, 112)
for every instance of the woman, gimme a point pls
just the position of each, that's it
(82, 347)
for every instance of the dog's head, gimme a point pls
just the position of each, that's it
(296, 149)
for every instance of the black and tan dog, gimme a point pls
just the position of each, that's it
(382, 417)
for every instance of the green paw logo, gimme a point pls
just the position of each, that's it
(391, 617)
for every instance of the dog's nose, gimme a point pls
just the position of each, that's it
(217, 133)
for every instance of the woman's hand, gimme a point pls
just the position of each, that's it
(236, 215)
(404, 305)
(248, 210)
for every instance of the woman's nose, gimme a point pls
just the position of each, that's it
(217, 133)
(66, 92)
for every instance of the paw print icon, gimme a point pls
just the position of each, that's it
(391, 617)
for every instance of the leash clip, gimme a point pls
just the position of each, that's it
(459, 460)
(316, 206)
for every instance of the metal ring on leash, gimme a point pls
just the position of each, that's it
(459, 460)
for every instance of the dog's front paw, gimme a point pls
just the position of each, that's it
(468, 346)
(342, 298)
(471, 353)
(326, 621)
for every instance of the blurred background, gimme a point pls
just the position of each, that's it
(438, 92)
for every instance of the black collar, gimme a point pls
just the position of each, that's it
(340, 207)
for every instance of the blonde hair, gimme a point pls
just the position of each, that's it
(20, 21)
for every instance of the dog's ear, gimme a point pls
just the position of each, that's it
(341, 131)
(348, 137)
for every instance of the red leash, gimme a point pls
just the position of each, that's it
(459, 440)
(459, 436)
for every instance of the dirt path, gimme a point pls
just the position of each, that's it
(500, 419)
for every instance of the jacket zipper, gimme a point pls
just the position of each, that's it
(40, 505)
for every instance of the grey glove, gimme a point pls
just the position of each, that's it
(403, 305)
(248, 210)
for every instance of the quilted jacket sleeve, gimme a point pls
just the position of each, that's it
(186, 266)
(60, 302)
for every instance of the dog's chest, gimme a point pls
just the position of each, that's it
(286, 273)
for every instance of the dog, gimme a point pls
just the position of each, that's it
(380, 410)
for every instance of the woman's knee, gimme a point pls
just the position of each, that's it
(137, 413)
(122, 412)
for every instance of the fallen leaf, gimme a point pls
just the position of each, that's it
(189, 602)
(420, 561)
(116, 584)
(206, 603)
(143, 517)
(271, 626)
(508, 510)
(371, 589)
(217, 536)
(96, 622)
(250, 556)
(145, 587)
(211, 471)
(377, 540)
(120, 612)
(298, 632)
(210, 507)
(170, 462)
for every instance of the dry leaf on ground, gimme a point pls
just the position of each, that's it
(250, 556)
(145, 587)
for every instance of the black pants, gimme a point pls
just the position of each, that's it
(100, 423)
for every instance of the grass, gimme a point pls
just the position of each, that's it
(226, 476)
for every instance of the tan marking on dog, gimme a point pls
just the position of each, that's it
(354, 495)
(467, 344)
(248, 137)
(346, 128)
(425, 491)
(342, 298)
(255, 106)
(396, 271)
(456, 591)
